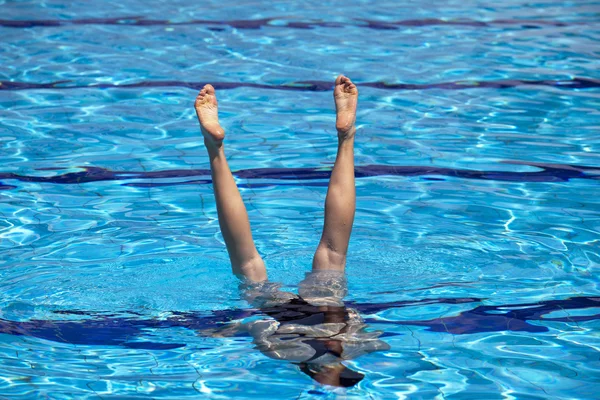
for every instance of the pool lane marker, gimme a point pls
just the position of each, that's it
(315, 86)
(285, 23)
(308, 176)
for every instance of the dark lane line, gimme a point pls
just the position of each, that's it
(110, 329)
(283, 22)
(547, 173)
(314, 86)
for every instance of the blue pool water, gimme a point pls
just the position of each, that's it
(476, 245)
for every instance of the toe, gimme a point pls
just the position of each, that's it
(209, 89)
(340, 79)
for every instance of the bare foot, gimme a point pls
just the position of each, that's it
(207, 111)
(345, 95)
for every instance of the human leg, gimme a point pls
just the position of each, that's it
(340, 202)
(246, 263)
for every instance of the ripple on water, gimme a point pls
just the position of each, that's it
(489, 215)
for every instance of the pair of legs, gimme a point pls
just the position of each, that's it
(340, 203)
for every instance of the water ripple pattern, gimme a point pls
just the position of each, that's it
(474, 261)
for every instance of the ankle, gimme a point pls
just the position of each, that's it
(214, 149)
(346, 135)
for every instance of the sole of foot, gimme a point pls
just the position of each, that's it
(208, 115)
(345, 95)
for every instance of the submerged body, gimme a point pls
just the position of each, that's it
(314, 329)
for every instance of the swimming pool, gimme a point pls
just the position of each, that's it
(476, 244)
